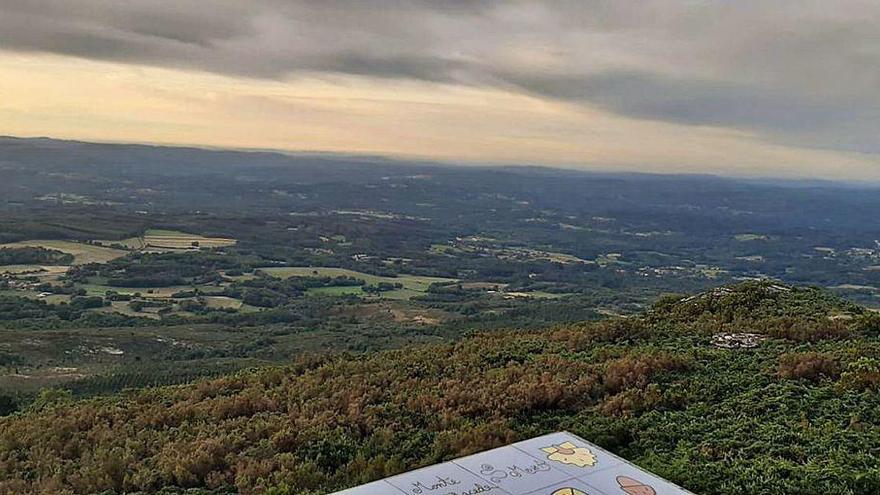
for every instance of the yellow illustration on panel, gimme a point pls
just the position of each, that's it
(568, 491)
(569, 453)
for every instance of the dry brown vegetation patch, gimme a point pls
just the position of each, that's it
(812, 366)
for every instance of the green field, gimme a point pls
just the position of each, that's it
(412, 285)
(82, 253)
(134, 243)
(169, 240)
(222, 302)
(336, 291)
(536, 294)
(750, 237)
(172, 239)
(146, 292)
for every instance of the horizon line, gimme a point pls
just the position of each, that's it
(415, 160)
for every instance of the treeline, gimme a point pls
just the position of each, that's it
(793, 415)
(163, 269)
(271, 292)
(14, 308)
(23, 313)
(33, 256)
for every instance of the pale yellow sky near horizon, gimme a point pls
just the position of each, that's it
(70, 98)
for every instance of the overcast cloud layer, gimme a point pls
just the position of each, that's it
(802, 73)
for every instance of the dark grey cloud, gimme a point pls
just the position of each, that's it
(802, 120)
(799, 72)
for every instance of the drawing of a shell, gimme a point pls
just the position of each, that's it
(634, 487)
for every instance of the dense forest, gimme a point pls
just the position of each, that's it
(755, 388)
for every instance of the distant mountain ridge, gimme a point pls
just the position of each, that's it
(273, 155)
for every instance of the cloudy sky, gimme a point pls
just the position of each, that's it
(775, 87)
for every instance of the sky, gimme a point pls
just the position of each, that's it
(750, 88)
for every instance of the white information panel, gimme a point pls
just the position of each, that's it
(555, 464)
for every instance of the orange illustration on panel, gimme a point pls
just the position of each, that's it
(569, 453)
(634, 487)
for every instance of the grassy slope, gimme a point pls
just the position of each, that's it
(652, 389)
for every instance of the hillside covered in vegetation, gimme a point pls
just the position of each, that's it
(754, 388)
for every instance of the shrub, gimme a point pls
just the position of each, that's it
(802, 330)
(633, 401)
(863, 374)
(581, 337)
(812, 366)
(636, 371)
